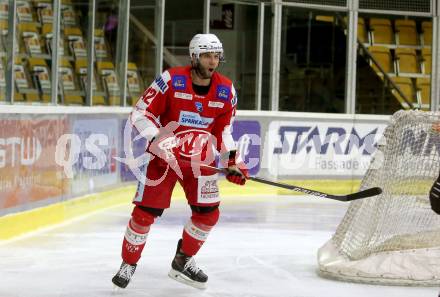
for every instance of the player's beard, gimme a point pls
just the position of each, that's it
(202, 72)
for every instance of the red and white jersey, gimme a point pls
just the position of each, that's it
(171, 98)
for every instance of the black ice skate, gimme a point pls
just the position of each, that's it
(185, 270)
(123, 276)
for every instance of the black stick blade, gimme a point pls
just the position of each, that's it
(364, 194)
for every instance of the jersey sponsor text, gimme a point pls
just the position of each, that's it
(185, 96)
(192, 119)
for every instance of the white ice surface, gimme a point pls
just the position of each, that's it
(262, 246)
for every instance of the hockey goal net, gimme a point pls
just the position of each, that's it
(393, 238)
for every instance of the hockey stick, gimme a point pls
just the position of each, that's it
(349, 197)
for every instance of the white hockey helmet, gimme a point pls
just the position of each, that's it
(205, 43)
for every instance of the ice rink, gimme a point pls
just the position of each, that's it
(262, 246)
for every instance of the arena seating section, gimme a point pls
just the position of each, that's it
(403, 50)
(402, 47)
(32, 67)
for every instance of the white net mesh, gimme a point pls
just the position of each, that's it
(379, 237)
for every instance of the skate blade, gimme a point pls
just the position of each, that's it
(176, 275)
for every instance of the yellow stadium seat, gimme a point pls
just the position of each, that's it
(20, 75)
(427, 60)
(75, 40)
(106, 71)
(381, 31)
(73, 100)
(44, 11)
(3, 35)
(406, 32)
(325, 18)
(424, 92)
(45, 98)
(30, 39)
(47, 34)
(4, 25)
(68, 83)
(2, 76)
(81, 72)
(427, 33)
(406, 86)
(40, 72)
(68, 14)
(24, 12)
(4, 13)
(406, 60)
(26, 91)
(18, 97)
(99, 100)
(101, 49)
(134, 87)
(383, 56)
(66, 78)
(362, 32)
(21, 80)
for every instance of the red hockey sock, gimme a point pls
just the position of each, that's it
(196, 231)
(136, 235)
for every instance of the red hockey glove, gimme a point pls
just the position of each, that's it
(237, 171)
(166, 147)
(435, 127)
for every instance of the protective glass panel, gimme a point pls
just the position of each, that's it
(32, 62)
(141, 48)
(236, 26)
(182, 22)
(313, 54)
(106, 49)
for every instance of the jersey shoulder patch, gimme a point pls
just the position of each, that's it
(161, 81)
(179, 82)
(222, 92)
(179, 78)
(225, 90)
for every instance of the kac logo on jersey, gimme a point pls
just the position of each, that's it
(223, 92)
(193, 142)
(179, 82)
(199, 106)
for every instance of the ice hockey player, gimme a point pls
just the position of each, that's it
(183, 114)
(434, 193)
(434, 196)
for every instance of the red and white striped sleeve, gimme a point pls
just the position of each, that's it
(152, 103)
